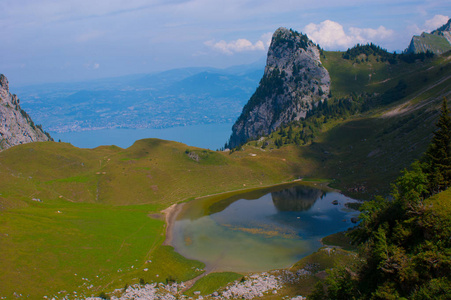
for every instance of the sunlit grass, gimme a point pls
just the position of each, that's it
(213, 282)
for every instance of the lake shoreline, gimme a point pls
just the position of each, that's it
(171, 214)
(174, 210)
(214, 229)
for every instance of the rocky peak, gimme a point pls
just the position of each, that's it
(437, 42)
(4, 82)
(294, 81)
(446, 27)
(4, 88)
(16, 126)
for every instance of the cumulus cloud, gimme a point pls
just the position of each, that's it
(429, 25)
(328, 34)
(332, 35)
(92, 66)
(369, 34)
(436, 22)
(266, 38)
(238, 45)
(241, 45)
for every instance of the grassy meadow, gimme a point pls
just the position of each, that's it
(71, 218)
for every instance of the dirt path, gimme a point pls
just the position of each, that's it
(170, 216)
(408, 106)
(190, 283)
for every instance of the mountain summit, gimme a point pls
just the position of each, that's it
(16, 126)
(294, 80)
(437, 42)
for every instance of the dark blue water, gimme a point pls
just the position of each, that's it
(208, 136)
(269, 232)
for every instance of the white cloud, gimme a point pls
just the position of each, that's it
(238, 45)
(369, 34)
(266, 38)
(429, 25)
(331, 35)
(436, 22)
(92, 66)
(328, 34)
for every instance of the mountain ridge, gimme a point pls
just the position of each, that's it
(379, 114)
(281, 97)
(437, 42)
(16, 126)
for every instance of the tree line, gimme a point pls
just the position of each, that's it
(405, 244)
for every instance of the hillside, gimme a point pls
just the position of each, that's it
(404, 242)
(16, 126)
(67, 211)
(437, 42)
(378, 117)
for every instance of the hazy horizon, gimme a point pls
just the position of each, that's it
(48, 41)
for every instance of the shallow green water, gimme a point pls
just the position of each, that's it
(261, 230)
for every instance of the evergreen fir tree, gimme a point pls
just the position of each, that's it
(438, 156)
(290, 133)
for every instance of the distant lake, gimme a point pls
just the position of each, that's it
(261, 230)
(208, 136)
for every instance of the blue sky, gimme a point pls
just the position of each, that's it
(75, 40)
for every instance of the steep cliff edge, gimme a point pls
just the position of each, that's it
(437, 42)
(294, 81)
(16, 126)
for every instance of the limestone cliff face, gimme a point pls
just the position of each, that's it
(16, 127)
(437, 42)
(294, 81)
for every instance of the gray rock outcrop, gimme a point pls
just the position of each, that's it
(294, 81)
(16, 126)
(437, 42)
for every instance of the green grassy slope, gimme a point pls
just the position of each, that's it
(48, 248)
(432, 42)
(213, 282)
(370, 149)
(364, 152)
(67, 211)
(150, 171)
(377, 76)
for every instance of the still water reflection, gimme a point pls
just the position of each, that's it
(262, 230)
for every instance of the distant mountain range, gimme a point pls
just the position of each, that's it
(179, 97)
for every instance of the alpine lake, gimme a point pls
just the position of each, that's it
(261, 230)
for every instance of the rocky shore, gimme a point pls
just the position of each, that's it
(253, 286)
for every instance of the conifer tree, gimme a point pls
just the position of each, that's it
(290, 133)
(438, 155)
